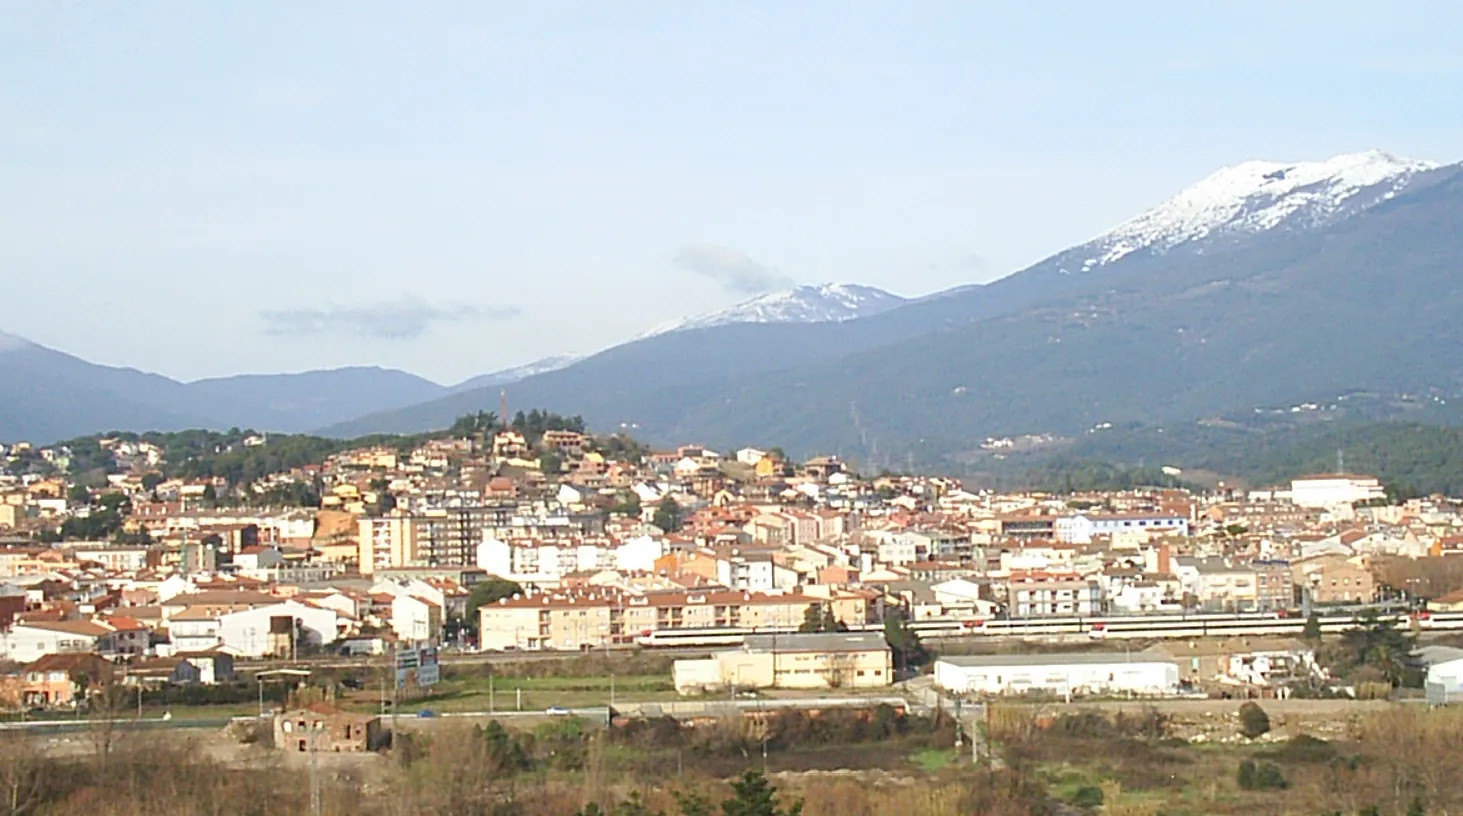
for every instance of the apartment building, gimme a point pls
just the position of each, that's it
(598, 618)
(1040, 594)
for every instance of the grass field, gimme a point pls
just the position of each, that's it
(530, 693)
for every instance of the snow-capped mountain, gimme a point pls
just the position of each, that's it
(1253, 197)
(826, 303)
(516, 373)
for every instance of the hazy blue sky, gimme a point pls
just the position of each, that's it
(203, 188)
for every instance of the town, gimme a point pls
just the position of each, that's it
(535, 536)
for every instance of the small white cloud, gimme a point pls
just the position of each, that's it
(732, 268)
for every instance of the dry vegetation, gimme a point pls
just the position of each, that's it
(1403, 760)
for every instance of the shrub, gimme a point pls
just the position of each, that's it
(1253, 721)
(1304, 748)
(1087, 796)
(1261, 776)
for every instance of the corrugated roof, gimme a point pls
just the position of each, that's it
(817, 642)
(1078, 659)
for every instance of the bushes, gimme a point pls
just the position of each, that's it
(1253, 721)
(1150, 723)
(1304, 749)
(1087, 796)
(1261, 776)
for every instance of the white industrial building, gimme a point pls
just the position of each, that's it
(1335, 489)
(1444, 665)
(1062, 674)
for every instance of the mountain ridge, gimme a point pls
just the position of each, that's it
(816, 382)
(813, 303)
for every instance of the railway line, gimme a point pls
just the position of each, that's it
(694, 642)
(1100, 628)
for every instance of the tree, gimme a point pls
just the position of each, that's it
(150, 481)
(487, 592)
(667, 515)
(550, 462)
(1312, 631)
(1377, 643)
(908, 651)
(819, 618)
(753, 795)
(78, 494)
(628, 506)
(474, 425)
(1253, 721)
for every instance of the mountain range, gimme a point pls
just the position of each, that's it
(1263, 284)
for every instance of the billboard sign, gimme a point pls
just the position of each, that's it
(417, 667)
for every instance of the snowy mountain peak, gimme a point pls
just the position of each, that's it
(825, 303)
(1256, 196)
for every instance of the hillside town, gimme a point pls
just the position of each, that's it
(534, 539)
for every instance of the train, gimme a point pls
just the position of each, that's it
(1098, 628)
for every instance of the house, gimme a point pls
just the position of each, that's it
(130, 636)
(184, 669)
(1335, 489)
(323, 728)
(1083, 527)
(1060, 674)
(257, 559)
(282, 629)
(1334, 579)
(63, 679)
(750, 456)
(1451, 602)
(32, 639)
(834, 660)
(415, 619)
(1040, 594)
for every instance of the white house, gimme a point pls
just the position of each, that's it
(193, 630)
(959, 595)
(1061, 674)
(750, 456)
(647, 494)
(257, 559)
(570, 496)
(1082, 527)
(416, 620)
(1333, 489)
(639, 554)
(248, 633)
(1444, 664)
(26, 642)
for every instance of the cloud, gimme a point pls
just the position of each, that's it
(404, 319)
(732, 268)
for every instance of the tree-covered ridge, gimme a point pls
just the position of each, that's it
(1410, 458)
(197, 454)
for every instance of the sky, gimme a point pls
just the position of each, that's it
(203, 189)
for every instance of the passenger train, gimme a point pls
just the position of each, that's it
(1118, 627)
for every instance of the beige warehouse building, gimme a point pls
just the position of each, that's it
(793, 661)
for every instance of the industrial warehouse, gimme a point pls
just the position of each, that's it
(1143, 673)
